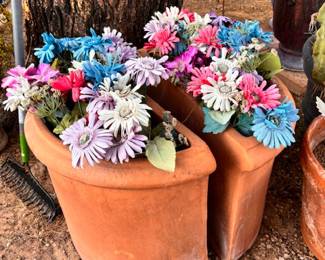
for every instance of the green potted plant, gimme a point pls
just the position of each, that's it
(122, 168)
(221, 86)
(314, 67)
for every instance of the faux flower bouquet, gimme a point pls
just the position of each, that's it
(90, 91)
(228, 65)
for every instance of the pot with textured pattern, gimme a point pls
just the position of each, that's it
(313, 193)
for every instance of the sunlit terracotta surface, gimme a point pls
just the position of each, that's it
(313, 194)
(238, 188)
(133, 210)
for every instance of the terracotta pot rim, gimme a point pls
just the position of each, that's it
(251, 141)
(308, 240)
(308, 149)
(192, 163)
(249, 145)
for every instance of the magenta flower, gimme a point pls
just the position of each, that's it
(12, 80)
(258, 96)
(44, 73)
(88, 141)
(127, 146)
(162, 42)
(182, 64)
(207, 41)
(199, 78)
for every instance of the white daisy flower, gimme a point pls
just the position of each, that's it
(223, 64)
(119, 87)
(221, 95)
(169, 17)
(21, 96)
(151, 28)
(198, 23)
(125, 115)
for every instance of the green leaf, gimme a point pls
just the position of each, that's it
(161, 153)
(270, 64)
(244, 124)
(55, 64)
(66, 122)
(210, 125)
(221, 117)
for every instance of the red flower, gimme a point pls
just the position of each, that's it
(74, 82)
(188, 13)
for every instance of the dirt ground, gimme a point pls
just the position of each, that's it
(24, 235)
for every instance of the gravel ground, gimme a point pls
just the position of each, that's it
(24, 235)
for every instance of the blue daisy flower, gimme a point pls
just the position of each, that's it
(51, 48)
(88, 43)
(96, 72)
(70, 44)
(242, 33)
(273, 127)
(252, 29)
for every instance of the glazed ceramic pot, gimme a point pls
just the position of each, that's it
(309, 101)
(238, 188)
(131, 210)
(291, 20)
(313, 193)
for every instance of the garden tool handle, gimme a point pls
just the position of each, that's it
(24, 152)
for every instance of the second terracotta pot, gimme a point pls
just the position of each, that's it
(237, 190)
(132, 210)
(313, 193)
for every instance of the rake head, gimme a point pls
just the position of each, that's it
(28, 189)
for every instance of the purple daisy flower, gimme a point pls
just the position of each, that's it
(125, 147)
(219, 20)
(126, 52)
(98, 100)
(113, 35)
(182, 64)
(147, 70)
(88, 141)
(103, 102)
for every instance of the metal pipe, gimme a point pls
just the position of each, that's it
(17, 24)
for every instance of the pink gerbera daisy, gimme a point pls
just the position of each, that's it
(258, 96)
(199, 78)
(207, 41)
(162, 42)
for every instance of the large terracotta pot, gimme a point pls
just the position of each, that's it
(313, 193)
(238, 188)
(133, 210)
